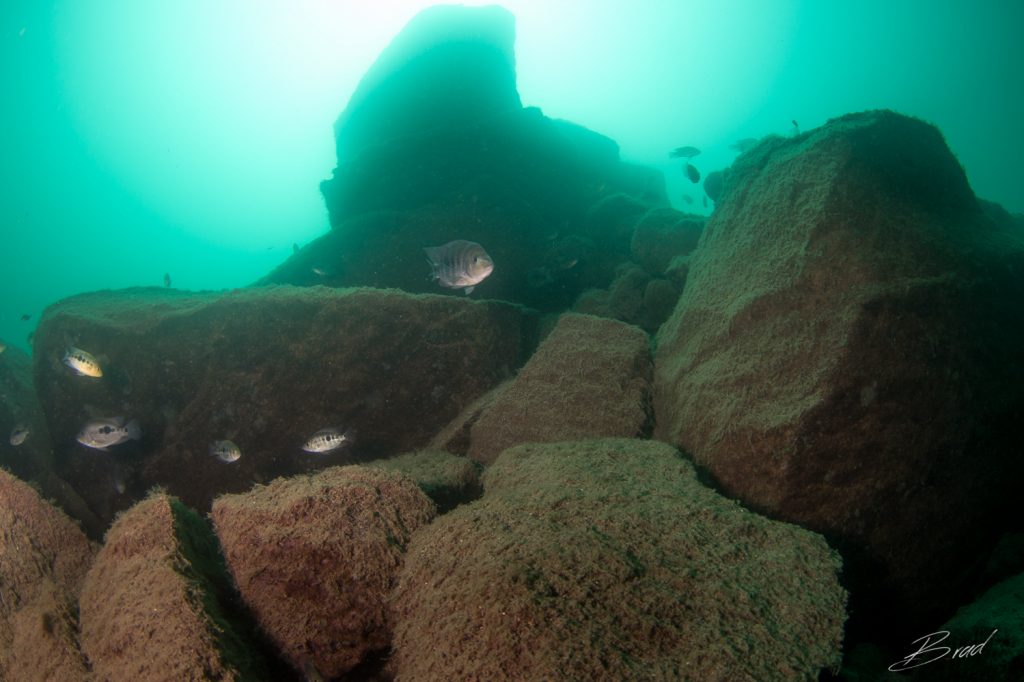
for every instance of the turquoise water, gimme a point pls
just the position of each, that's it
(142, 138)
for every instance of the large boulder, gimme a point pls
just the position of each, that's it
(608, 560)
(157, 603)
(265, 368)
(990, 634)
(44, 557)
(448, 480)
(315, 558)
(847, 355)
(589, 378)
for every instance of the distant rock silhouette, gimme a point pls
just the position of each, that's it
(435, 146)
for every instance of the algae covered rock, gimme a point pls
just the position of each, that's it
(448, 480)
(265, 368)
(990, 631)
(44, 557)
(590, 377)
(157, 603)
(607, 559)
(661, 235)
(847, 355)
(315, 558)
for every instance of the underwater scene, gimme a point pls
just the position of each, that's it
(527, 341)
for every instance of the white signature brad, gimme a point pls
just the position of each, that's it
(929, 652)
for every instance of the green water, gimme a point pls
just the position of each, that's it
(143, 137)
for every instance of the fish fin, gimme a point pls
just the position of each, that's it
(432, 254)
(350, 436)
(133, 430)
(469, 290)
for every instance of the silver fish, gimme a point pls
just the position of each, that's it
(3, 346)
(82, 363)
(326, 440)
(19, 434)
(683, 153)
(104, 432)
(459, 264)
(225, 451)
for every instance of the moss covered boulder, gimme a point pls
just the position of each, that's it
(608, 560)
(848, 354)
(264, 368)
(315, 558)
(44, 557)
(990, 635)
(590, 377)
(448, 480)
(158, 604)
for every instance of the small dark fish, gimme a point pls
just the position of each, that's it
(25, 317)
(688, 199)
(692, 173)
(19, 434)
(459, 264)
(295, 247)
(796, 128)
(167, 280)
(683, 153)
(225, 451)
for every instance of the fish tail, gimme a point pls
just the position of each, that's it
(133, 430)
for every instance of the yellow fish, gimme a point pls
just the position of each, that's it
(82, 363)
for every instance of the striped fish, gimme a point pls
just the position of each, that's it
(326, 440)
(459, 264)
(82, 363)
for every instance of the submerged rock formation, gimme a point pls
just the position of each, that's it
(447, 479)
(265, 368)
(607, 558)
(589, 378)
(435, 146)
(315, 557)
(847, 355)
(44, 557)
(449, 67)
(158, 605)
